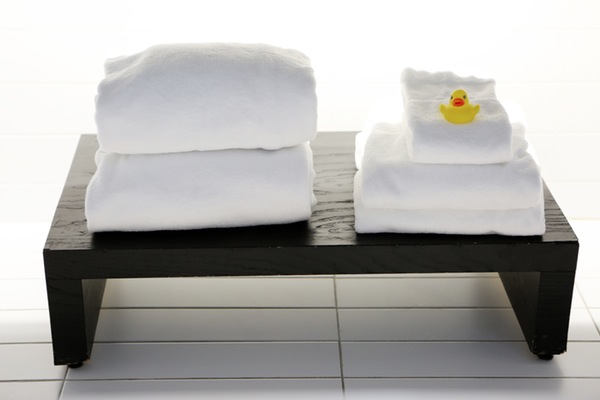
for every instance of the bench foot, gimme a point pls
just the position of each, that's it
(542, 303)
(545, 357)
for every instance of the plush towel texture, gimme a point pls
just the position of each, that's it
(391, 110)
(200, 189)
(516, 222)
(424, 85)
(432, 139)
(209, 96)
(391, 180)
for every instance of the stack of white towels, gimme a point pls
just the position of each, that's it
(203, 135)
(418, 173)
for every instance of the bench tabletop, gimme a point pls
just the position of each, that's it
(327, 243)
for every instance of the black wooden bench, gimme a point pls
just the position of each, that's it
(538, 272)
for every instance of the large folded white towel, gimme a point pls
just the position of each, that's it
(432, 139)
(391, 180)
(208, 96)
(516, 222)
(226, 188)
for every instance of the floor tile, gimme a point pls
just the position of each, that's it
(472, 389)
(23, 294)
(422, 292)
(466, 359)
(589, 288)
(23, 326)
(28, 390)
(142, 325)
(577, 301)
(211, 360)
(429, 324)
(582, 327)
(595, 314)
(220, 292)
(28, 362)
(222, 389)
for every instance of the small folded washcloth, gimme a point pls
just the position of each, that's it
(391, 180)
(208, 96)
(516, 222)
(432, 139)
(390, 111)
(194, 190)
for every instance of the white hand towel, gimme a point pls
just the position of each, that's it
(193, 190)
(516, 222)
(209, 96)
(432, 139)
(391, 111)
(391, 180)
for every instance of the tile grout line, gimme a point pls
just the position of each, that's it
(587, 308)
(64, 382)
(339, 334)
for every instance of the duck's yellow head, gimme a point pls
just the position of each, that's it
(459, 98)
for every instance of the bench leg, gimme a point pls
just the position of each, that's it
(542, 304)
(74, 306)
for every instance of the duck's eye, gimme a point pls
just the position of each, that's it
(451, 97)
(465, 97)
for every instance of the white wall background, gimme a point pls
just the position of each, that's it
(543, 54)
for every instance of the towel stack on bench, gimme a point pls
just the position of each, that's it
(203, 135)
(421, 174)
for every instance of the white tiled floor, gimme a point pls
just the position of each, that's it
(359, 337)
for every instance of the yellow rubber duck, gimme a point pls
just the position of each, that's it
(459, 111)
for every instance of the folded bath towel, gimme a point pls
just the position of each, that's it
(226, 188)
(432, 139)
(391, 180)
(210, 96)
(515, 222)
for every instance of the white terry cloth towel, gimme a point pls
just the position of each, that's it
(514, 222)
(391, 180)
(206, 96)
(194, 190)
(390, 110)
(432, 139)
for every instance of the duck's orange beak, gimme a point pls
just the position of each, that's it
(458, 102)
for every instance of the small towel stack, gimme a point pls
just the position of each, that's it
(203, 135)
(419, 173)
